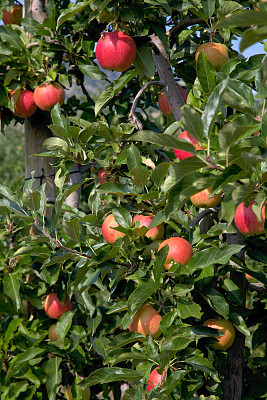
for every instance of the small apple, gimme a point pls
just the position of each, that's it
(202, 199)
(110, 234)
(246, 220)
(147, 321)
(47, 95)
(259, 118)
(155, 233)
(163, 102)
(52, 333)
(228, 330)
(115, 51)
(180, 251)
(102, 175)
(24, 106)
(155, 379)
(54, 308)
(13, 16)
(181, 154)
(217, 53)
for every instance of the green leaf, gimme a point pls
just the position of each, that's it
(11, 285)
(162, 139)
(133, 157)
(243, 19)
(139, 296)
(216, 301)
(233, 292)
(139, 176)
(56, 144)
(72, 10)
(172, 381)
(205, 73)
(159, 262)
(251, 37)
(208, 7)
(144, 61)
(213, 107)
(159, 173)
(214, 255)
(15, 388)
(111, 374)
(123, 217)
(201, 363)
(91, 71)
(31, 199)
(11, 329)
(192, 122)
(73, 228)
(64, 324)
(239, 323)
(113, 89)
(175, 343)
(22, 359)
(188, 309)
(123, 339)
(59, 119)
(54, 376)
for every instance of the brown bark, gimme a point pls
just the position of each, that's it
(164, 69)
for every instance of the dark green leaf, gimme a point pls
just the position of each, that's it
(205, 73)
(111, 374)
(54, 375)
(216, 301)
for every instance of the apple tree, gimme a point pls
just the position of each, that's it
(133, 259)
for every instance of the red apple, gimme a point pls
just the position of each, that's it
(115, 51)
(155, 379)
(228, 330)
(163, 102)
(155, 233)
(13, 16)
(110, 234)
(180, 251)
(202, 199)
(147, 321)
(52, 333)
(24, 106)
(54, 308)
(102, 175)
(246, 220)
(181, 154)
(47, 95)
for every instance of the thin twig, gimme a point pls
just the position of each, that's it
(203, 214)
(88, 98)
(182, 25)
(132, 114)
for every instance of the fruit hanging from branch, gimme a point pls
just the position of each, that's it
(147, 321)
(155, 379)
(247, 221)
(163, 102)
(47, 95)
(53, 306)
(180, 251)
(217, 53)
(13, 16)
(24, 106)
(155, 233)
(115, 51)
(202, 199)
(181, 154)
(228, 330)
(52, 333)
(110, 234)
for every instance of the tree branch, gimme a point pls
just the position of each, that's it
(203, 214)
(182, 25)
(132, 114)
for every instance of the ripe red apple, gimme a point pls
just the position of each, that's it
(228, 330)
(163, 102)
(155, 379)
(24, 106)
(217, 53)
(13, 16)
(155, 233)
(47, 95)
(202, 199)
(102, 175)
(246, 220)
(181, 154)
(54, 308)
(110, 234)
(147, 321)
(180, 251)
(115, 51)
(52, 333)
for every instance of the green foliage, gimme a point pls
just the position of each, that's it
(57, 248)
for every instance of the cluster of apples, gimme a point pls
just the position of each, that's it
(45, 96)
